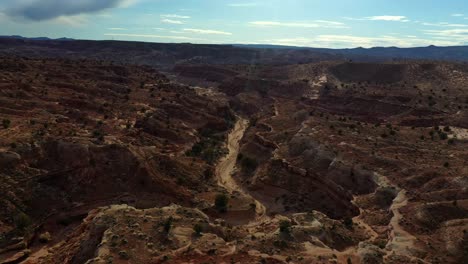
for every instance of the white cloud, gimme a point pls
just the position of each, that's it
(104, 15)
(459, 35)
(74, 21)
(171, 21)
(175, 16)
(388, 18)
(313, 24)
(206, 31)
(243, 4)
(457, 15)
(347, 41)
(443, 24)
(283, 24)
(116, 28)
(381, 18)
(330, 22)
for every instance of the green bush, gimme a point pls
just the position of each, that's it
(285, 227)
(348, 222)
(6, 123)
(221, 202)
(198, 229)
(208, 149)
(443, 136)
(248, 164)
(208, 174)
(168, 224)
(22, 221)
(124, 255)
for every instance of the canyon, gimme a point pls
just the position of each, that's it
(221, 160)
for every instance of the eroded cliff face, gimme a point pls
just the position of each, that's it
(120, 233)
(389, 148)
(82, 134)
(326, 162)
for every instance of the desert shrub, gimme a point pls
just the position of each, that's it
(221, 202)
(209, 147)
(443, 136)
(6, 123)
(99, 135)
(167, 225)
(285, 227)
(22, 221)
(280, 244)
(348, 222)
(248, 164)
(124, 255)
(198, 229)
(208, 174)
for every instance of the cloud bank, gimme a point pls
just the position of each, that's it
(39, 10)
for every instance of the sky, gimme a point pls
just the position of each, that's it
(311, 23)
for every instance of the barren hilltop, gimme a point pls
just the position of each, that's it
(121, 152)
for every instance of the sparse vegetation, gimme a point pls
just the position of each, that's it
(285, 227)
(198, 229)
(124, 255)
(221, 202)
(22, 221)
(6, 123)
(248, 164)
(209, 147)
(167, 225)
(348, 222)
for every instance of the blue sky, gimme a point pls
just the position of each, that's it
(315, 23)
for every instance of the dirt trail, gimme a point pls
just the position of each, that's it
(227, 165)
(400, 241)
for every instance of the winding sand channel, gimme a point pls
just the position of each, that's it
(227, 166)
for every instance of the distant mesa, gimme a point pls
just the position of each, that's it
(36, 38)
